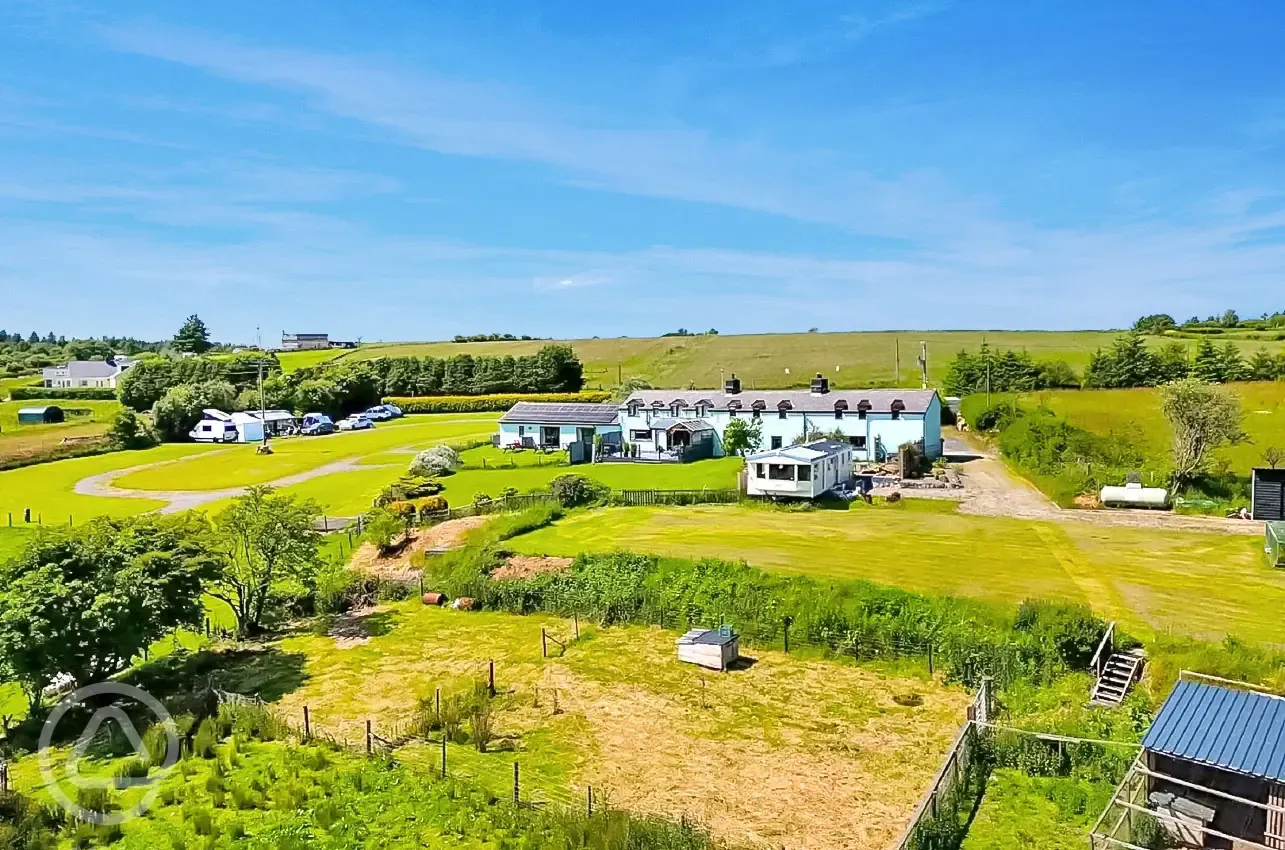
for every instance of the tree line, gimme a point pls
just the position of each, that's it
(1128, 362)
(1158, 323)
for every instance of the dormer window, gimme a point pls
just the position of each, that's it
(897, 406)
(863, 407)
(839, 407)
(783, 410)
(634, 406)
(676, 409)
(702, 410)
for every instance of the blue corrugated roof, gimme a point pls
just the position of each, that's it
(1240, 731)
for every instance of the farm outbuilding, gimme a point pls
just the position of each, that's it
(1267, 499)
(1211, 773)
(716, 649)
(48, 415)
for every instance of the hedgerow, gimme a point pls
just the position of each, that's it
(486, 403)
(62, 393)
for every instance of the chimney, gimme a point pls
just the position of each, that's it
(732, 386)
(820, 384)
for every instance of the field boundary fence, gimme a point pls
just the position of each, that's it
(957, 788)
(644, 498)
(408, 740)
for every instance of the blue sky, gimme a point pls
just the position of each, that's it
(407, 170)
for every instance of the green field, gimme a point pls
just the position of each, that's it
(241, 465)
(1135, 415)
(292, 360)
(7, 384)
(48, 488)
(1193, 583)
(789, 360)
(28, 440)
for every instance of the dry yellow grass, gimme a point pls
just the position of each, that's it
(791, 752)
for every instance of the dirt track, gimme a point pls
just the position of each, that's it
(991, 489)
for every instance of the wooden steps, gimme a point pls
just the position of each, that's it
(1118, 675)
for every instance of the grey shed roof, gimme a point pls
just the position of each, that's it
(693, 425)
(712, 637)
(550, 413)
(877, 401)
(90, 369)
(1239, 731)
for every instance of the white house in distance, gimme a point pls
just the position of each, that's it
(803, 472)
(304, 342)
(99, 374)
(875, 422)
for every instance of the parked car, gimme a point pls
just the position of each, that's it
(317, 423)
(356, 422)
(393, 409)
(379, 413)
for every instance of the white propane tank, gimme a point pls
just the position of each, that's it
(1134, 496)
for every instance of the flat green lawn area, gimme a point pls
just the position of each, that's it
(240, 465)
(491, 457)
(1135, 415)
(48, 488)
(13, 539)
(716, 474)
(6, 384)
(1201, 584)
(1049, 813)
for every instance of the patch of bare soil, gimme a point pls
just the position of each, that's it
(446, 535)
(525, 566)
(351, 629)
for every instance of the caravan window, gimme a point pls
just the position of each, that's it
(758, 471)
(805, 473)
(780, 471)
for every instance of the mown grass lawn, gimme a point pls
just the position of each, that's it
(22, 440)
(48, 488)
(1194, 583)
(1135, 415)
(715, 474)
(240, 465)
(292, 361)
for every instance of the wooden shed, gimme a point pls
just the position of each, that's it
(1268, 494)
(47, 415)
(712, 648)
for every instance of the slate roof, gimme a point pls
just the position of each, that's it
(879, 401)
(87, 369)
(805, 453)
(693, 425)
(551, 413)
(1239, 731)
(711, 637)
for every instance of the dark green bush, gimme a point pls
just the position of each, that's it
(62, 393)
(575, 490)
(487, 403)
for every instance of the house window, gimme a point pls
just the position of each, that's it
(675, 410)
(776, 442)
(756, 413)
(838, 413)
(702, 411)
(896, 414)
(861, 414)
(521, 430)
(640, 436)
(633, 409)
(731, 413)
(858, 442)
(805, 473)
(782, 414)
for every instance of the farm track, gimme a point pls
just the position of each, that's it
(991, 489)
(182, 500)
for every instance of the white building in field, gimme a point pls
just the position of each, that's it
(799, 472)
(98, 374)
(874, 423)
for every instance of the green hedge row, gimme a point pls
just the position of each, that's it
(487, 403)
(73, 393)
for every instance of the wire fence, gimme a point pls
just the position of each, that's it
(503, 768)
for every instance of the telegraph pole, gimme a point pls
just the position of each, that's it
(896, 361)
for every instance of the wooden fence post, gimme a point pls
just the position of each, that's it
(369, 742)
(516, 788)
(443, 755)
(307, 724)
(544, 644)
(930, 659)
(588, 799)
(575, 618)
(437, 704)
(491, 678)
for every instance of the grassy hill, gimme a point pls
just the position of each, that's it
(863, 359)
(1135, 416)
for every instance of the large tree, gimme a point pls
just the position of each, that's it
(1204, 419)
(82, 602)
(178, 411)
(742, 436)
(193, 337)
(265, 537)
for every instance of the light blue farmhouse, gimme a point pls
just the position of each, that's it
(543, 425)
(657, 424)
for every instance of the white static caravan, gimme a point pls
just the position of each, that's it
(712, 648)
(215, 427)
(799, 472)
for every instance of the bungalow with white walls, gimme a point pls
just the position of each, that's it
(98, 374)
(547, 425)
(874, 423)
